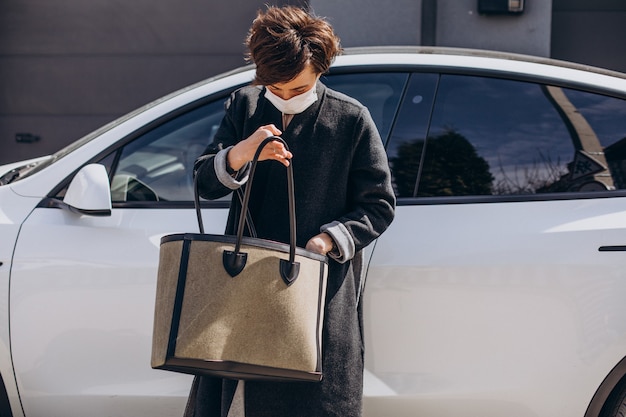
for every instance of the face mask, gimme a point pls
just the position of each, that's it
(294, 105)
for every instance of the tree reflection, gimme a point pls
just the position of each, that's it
(452, 167)
(543, 175)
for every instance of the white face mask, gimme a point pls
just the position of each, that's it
(294, 105)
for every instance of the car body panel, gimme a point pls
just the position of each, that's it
(91, 333)
(525, 274)
(13, 211)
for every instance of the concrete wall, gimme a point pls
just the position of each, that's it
(460, 25)
(369, 22)
(69, 66)
(590, 32)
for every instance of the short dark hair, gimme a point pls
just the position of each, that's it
(283, 40)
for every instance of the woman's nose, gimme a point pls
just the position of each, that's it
(286, 95)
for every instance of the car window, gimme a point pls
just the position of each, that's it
(406, 143)
(605, 144)
(157, 166)
(379, 92)
(493, 136)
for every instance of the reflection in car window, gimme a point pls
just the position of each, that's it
(501, 137)
(157, 166)
(405, 146)
(606, 117)
(379, 92)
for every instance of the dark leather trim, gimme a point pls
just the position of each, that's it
(246, 241)
(225, 369)
(236, 370)
(178, 299)
(234, 262)
(289, 271)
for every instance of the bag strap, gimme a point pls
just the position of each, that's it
(235, 261)
(196, 194)
(198, 208)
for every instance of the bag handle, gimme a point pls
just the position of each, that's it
(235, 261)
(196, 200)
(196, 194)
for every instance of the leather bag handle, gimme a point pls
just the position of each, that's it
(198, 207)
(235, 261)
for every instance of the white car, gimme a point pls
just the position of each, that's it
(499, 289)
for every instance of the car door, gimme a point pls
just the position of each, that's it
(83, 287)
(500, 282)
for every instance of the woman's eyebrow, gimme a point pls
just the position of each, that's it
(293, 88)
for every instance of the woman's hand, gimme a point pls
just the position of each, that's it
(321, 244)
(244, 151)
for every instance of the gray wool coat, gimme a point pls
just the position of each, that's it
(342, 186)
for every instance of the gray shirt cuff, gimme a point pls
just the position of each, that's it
(344, 241)
(229, 181)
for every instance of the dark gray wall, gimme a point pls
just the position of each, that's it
(455, 23)
(369, 22)
(69, 66)
(590, 31)
(460, 25)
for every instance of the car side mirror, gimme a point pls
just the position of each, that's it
(89, 192)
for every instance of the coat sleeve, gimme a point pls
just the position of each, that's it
(371, 196)
(213, 177)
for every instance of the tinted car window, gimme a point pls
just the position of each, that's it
(606, 117)
(406, 143)
(379, 92)
(157, 166)
(502, 137)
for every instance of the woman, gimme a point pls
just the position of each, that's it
(344, 200)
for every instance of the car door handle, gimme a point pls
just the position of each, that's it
(617, 248)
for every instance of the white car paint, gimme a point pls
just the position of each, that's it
(494, 302)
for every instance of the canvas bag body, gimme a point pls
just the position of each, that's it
(254, 325)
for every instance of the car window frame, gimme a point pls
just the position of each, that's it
(52, 200)
(513, 76)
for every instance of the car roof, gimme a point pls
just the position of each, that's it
(478, 53)
(440, 56)
(456, 60)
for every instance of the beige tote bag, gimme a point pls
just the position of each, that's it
(240, 307)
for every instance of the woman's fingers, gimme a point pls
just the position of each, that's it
(244, 151)
(276, 150)
(266, 131)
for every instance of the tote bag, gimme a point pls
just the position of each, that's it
(240, 307)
